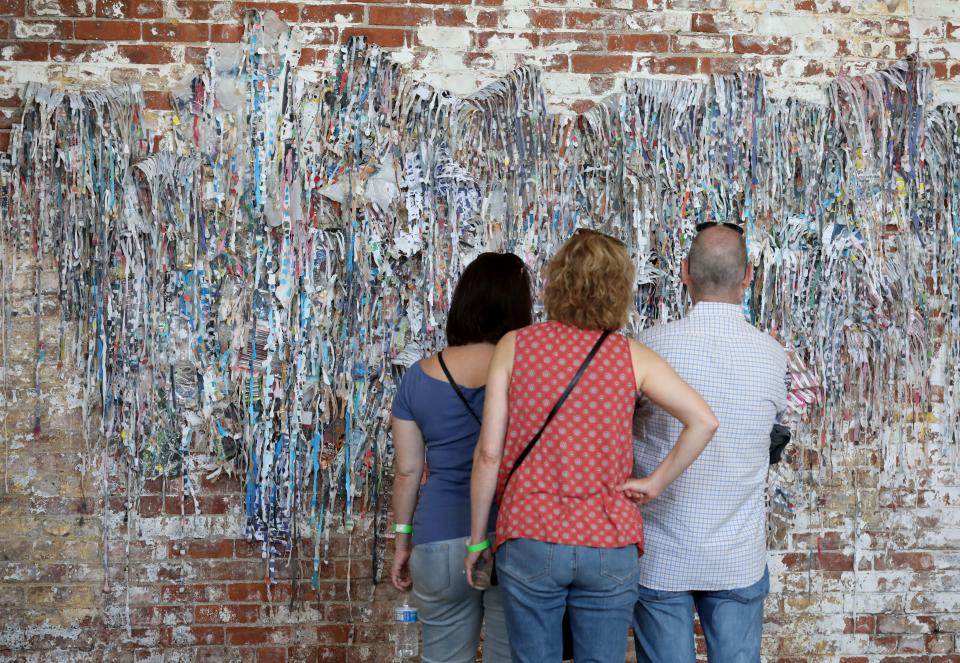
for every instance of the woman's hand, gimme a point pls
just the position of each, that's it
(400, 571)
(641, 490)
(470, 561)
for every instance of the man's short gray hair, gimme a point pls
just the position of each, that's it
(717, 261)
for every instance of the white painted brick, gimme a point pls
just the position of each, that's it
(872, 603)
(780, 26)
(816, 47)
(33, 29)
(875, 48)
(516, 20)
(510, 43)
(703, 43)
(444, 38)
(943, 50)
(936, 8)
(661, 21)
(933, 602)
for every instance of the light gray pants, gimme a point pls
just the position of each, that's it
(451, 611)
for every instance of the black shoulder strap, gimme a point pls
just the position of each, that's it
(556, 408)
(456, 387)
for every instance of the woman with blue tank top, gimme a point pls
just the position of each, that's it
(436, 416)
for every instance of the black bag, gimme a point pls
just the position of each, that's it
(779, 439)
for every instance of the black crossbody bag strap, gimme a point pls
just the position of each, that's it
(456, 387)
(556, 408)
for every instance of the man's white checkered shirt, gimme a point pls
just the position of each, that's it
(707, 531)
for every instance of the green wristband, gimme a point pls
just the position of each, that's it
(479, 547)
(403, 529)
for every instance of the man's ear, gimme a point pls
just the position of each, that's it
(685, 272)
(747, 277)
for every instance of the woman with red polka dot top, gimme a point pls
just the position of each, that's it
(568, 532)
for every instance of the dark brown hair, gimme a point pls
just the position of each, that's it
(492, 297)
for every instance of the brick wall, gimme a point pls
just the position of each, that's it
(865, 568)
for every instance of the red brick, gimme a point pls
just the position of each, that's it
(385, 37)
(762, 45)
(952, 658)
(218, 613)
(177, 593)
(864, 624)
(247, 591)
(544, 18)
(156, 100)
(146, 54)
(329, 13)
(457, 17)
(830, 561)
(176, 32)
(272, 655)
(600, 64)
(805, 5)
(107, 30)
(12, 8)
(203, 549)
(723, 65)
(223, 484)
(639, 43)
(587, 20)
(315, 654)
(854, 659)
(195, 55)
(399, 16)
(257, 635)
(207, 635)
(679, 65)
(33, 51)
(331, 634)
(288, 12)
(703, 23)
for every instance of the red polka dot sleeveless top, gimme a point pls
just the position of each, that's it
(566, 489)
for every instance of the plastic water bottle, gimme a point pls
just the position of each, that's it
(481, 574)
(405, 630)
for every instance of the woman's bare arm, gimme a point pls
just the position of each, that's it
(661, 384)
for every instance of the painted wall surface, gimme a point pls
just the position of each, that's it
(867, 568)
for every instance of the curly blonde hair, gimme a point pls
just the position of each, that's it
(590, 282)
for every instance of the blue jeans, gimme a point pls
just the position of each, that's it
(452, 612)
(732, 622)
(597, 586)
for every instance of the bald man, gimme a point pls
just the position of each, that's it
(706, 534)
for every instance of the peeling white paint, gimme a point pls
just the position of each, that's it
(433, 36)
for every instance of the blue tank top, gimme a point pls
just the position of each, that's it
(450, 433)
